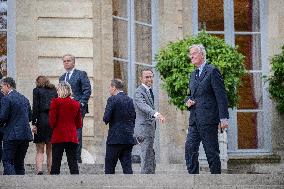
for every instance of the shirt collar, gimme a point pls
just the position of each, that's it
(201, 67)
(148, 88)
(71, 72)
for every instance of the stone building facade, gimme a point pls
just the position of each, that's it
(116, 38)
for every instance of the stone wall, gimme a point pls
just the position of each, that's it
(275, 41)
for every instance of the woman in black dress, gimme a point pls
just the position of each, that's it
(42, 95)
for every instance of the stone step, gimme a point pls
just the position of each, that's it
(99, 169)
(256, 181)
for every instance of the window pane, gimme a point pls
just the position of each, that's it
(250, 46)
(250, 92)
(120, 38)
(211, 15)
(247, 15)
(143, 44)
(120, 72)
(139, 68)
(221, 36)
(143, 11)
(119, 8)
(248, 122)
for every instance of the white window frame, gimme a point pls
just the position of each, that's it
(131, 59)
(229, 34)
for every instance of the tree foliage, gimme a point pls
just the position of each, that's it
(174, 66)
(276, 80)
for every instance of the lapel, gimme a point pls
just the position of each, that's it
(72, 76)
(148, 95)
(197, 80)
(203, 73)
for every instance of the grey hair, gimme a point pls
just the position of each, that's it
(69, 55)
(200, 48)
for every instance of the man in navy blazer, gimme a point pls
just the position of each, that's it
(208, 105)
(120, 115)
(16, 114)
(81, 91)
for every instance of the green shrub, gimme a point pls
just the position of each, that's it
(276, 81)
(174, 66)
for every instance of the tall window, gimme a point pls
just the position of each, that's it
(134, 45)
(3, 38)
(239, 23)
(133, 39)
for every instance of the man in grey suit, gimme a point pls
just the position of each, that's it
(145, 123)
(81, 91)
(208, 105)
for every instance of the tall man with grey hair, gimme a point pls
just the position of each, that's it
(145, 123)
(208, 105)
(81, 91)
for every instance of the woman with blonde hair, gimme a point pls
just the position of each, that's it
(64, 118)
(42, 95)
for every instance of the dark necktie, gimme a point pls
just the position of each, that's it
(197, 74)
(151, 93)
(67, 76)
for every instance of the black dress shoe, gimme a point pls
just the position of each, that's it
(40, 173)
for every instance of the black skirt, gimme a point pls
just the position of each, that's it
(44, 131)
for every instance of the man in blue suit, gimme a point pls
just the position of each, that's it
(16, 114)
(81, 91)
(1, 132)
(120, 115)
(208, 105)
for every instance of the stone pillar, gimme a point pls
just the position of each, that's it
(103, 70)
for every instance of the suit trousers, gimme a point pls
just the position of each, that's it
(121, 152)
(57, 153)
(148, 162)
(1, 144)
(14, 152)
(208, 135)
(80, 136)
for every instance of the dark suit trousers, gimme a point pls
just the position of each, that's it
(80, 136)
(57, 153)
(1, 144)
(14, 152)
(208, 135)
(121, 152)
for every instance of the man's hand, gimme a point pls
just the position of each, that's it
(161, 118)
(190, 103)
(224, 124)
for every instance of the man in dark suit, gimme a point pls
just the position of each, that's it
(16, 114)
(81, 91)
(1, 132)
(208, 105)
(145, 124)
(120, 115)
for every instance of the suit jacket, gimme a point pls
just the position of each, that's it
(120, 115)
(64, 118)
(81, 87)
(208, 92)
(16, 114)
(145, 123)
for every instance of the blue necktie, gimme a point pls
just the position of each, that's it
(67, 76)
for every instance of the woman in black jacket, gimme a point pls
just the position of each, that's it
(42, 95)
